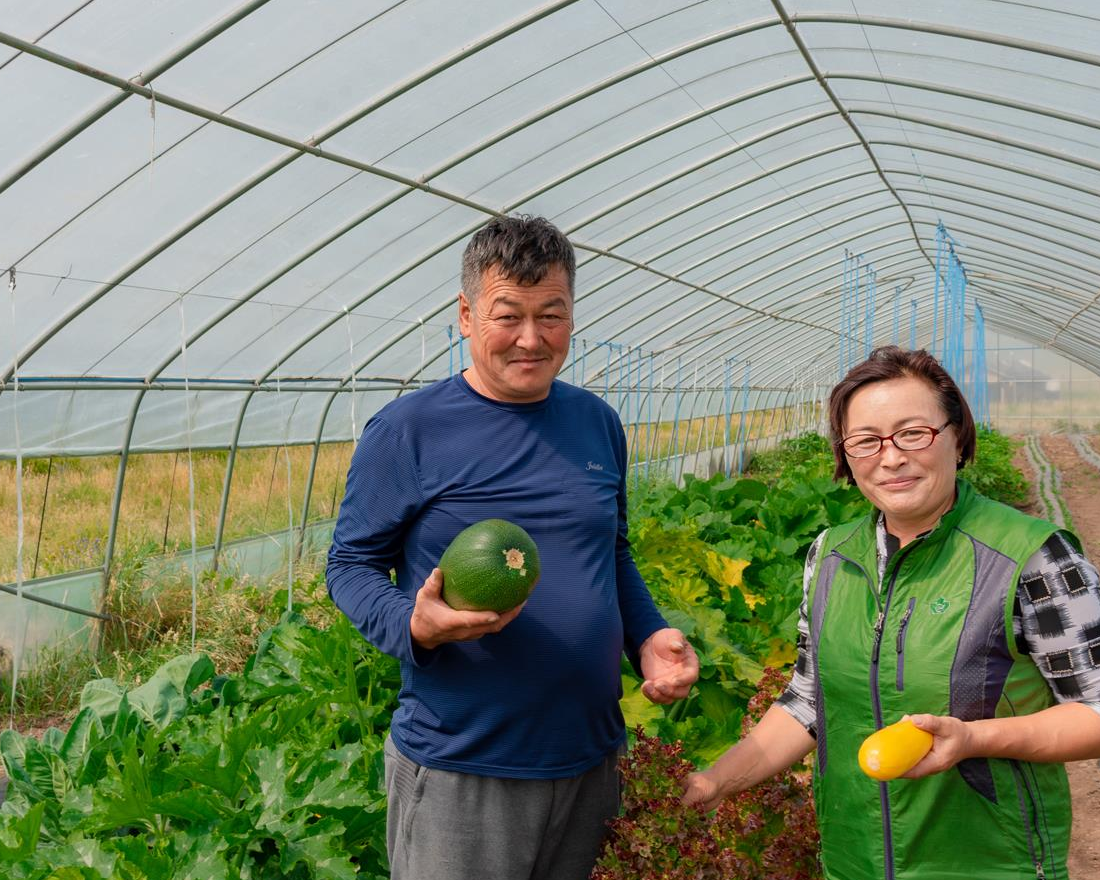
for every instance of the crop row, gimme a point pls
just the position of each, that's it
(1048, 484)
(276, 772)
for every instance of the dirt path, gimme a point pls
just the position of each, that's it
(1081, 491)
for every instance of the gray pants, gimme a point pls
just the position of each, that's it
(453, 826)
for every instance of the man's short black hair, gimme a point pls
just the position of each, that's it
(522, 247)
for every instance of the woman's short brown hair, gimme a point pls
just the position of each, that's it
(891, 362)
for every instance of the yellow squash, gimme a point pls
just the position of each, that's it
(893, 750)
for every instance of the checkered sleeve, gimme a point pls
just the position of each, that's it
(1059, 620)
(799, 697)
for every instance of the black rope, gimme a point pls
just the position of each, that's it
(168, 515)
(42, 519)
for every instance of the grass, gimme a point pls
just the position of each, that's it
(155, 513)
(153, 625)
(65, 528)
(154, 619)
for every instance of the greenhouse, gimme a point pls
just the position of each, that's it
(233, 233)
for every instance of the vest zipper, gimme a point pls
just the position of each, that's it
(876, 701)
(901, 642)
(1027, 808)
(876, 706)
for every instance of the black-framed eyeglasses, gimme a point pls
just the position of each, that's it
(909, 439)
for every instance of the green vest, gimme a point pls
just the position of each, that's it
(935, 636)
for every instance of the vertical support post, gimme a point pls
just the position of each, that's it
(42, 518)
(842, 358)
(223, 506)
(690, 421)
(584, 362)
(607, 375)
(869, 314)
(675, 444)
(913, 324)
(729, 418)
(649, 417)
(936, 289)
(744, 406)
(307, 495)
(116, 500)
(897, 313)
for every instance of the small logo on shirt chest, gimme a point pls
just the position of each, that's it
(939, 606)
(593, 466)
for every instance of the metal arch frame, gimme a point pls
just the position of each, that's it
(979, 268)
(998, 292)
(748, 319)
(422, 258)
(1078, 353)
(270, 279)
(735, 333)
(297, 149)
(729, 332)
(676, 53)
(791, 21)
(636, 298)
(724, 249)
(666, 280)
(980, 97)
(717, 194)
(1066, 300)
(998, 289)
(1007, 195)
(189, 225)
(624, 147)
(996, 308)
(946, 31)
(998, 286)
(979, 134)
(577, 244)
(1030, 174)
(1031, 235)
(757, 280)
(119, 183)
(1012, 248)
(628, 271)
(592, 290)
(765, 206)
(679, 212)
(301, 148)
(804, 51)
(906, 256)
(141, 78)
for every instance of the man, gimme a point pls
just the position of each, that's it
(501, 760)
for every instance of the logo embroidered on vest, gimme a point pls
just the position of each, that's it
(939, 606)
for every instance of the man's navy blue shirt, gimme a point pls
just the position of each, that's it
(540, 699)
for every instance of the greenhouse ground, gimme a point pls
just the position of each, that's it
(1080, 490)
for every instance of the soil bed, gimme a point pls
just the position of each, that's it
(1081, 491)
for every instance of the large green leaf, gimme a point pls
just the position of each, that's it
(637, 708)
(19, 834)
(166, 696)
(13, 751)
(321, 849)
(85, 731)
(124, 796)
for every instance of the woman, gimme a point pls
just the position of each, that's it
(980, 623)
